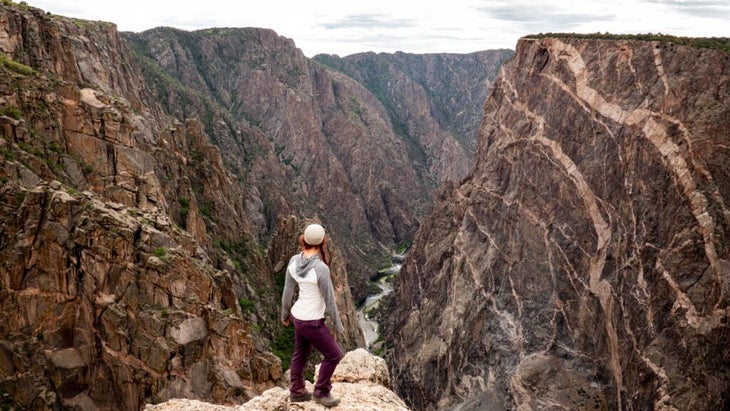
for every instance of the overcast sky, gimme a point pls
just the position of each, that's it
(428, 26)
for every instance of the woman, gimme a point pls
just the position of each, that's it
(309, 270)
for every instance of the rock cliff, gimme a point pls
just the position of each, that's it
(585, 263)
(110, 306)
(148, 200)
(130, 271)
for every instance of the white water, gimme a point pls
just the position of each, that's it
(369, 326)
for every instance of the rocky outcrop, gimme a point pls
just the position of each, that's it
(110, 306)
(585, 262)
(361, 381)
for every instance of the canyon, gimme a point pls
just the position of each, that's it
(310, 139)
(569, 237)
(153, 185)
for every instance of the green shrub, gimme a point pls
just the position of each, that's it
(53, 146)
(14, 112)
(205, 210)
(283, 346)
(7, 153)
(31, 149)
(159, 252)
(13, 65)
(403, 248)
(184, 209)
(54, 166)
(247, 305)
(237, 251)
(238, 248)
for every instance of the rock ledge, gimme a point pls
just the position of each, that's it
(361, 380)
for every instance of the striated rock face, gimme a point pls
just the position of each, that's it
(585, 264)
(361, 381)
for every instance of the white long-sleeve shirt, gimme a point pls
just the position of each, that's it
(316, 293)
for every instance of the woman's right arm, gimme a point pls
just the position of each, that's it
(324, 280)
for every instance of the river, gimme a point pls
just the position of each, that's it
(383, 280)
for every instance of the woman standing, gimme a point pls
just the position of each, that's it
(309, 270)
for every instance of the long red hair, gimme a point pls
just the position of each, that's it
(319, 247)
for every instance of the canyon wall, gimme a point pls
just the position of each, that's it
(434, 101)
(585, 263)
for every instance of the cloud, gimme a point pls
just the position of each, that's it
(461, 26)
(534, 16)
(700, 8)
(367, 22)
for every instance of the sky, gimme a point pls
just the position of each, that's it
(346, 27)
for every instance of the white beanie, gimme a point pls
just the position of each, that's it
(314, 234)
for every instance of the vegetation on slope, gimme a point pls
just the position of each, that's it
(713, 43)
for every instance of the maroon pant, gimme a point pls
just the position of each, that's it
(308, 334)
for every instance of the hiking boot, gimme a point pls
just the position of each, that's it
(328, 401)
(305, 396)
